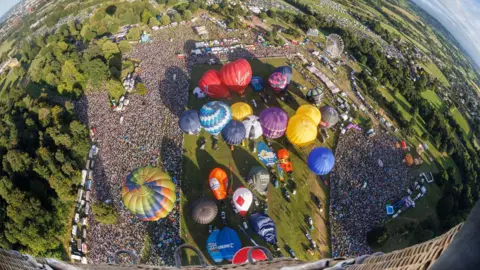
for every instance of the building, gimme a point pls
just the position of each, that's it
(202, 31)
(10, 63)
(313, 32)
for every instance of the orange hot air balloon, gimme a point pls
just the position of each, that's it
(283, 154)
(236, 75)
(218, 182)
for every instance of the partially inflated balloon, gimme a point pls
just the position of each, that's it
(149, 193)
(253, 128)
(264, 226)
(236, 75)
(310, 111)
(240, 110)
(218, 182)
(204, 211)
(212, 86)
(329, 116)
(242, 200)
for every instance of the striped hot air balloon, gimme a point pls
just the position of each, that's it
(149, 193)
(214, 116)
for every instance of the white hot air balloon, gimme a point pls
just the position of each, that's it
(242, 199)
(253, 127)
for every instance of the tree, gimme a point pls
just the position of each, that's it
(193, 7)
(263, 15)
(124, 46)
(134, 34)
(425, 136)
(96, 71)
(104, 213)
(153, 22)
(377, 237)
(445, 206)
(115, 89)
(71, 77)
(272, 13)
(165, 20)
(19, 71)
(17, 161)
(187, 15)
(177, 18)
(109, 48)
(146, 15)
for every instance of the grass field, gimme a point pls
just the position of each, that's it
(460, 119)
(435, 72)
(6, 46)
(436, 102)
(290, 217)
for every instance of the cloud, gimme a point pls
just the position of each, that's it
(461, 18)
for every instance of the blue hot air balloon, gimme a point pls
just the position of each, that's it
(228, 243)
(212, 246)
(189, 122)
(234, 132)
(214, 116)
(285, 70)
(257, 83)
(321, 160)
(264, 227)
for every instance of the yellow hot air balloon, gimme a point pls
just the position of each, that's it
(301, 130)
(310, 111)
(240, 110)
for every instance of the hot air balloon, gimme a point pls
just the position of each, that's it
(242, 255)
(214, 116)
(253, 128)
(189, 122)
(240, 110)
(321, 161)
(285, 164)
(212, 86)
(265, 228)
(274, 122)
(218, 182)
(149, 193)
(315, 96)
(301, 130)
(277, 81)
(285, 70)
(228, 243)
(283, 154)
(258, 178)
(242, 199)
(329, 116)
(236, 75)
(408, 160)
(256, 83)
(310, 111)
(204, 211)
(234, 133)
(212, 246)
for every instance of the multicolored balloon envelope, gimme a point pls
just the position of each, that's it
(228, 243)
(253, 128)
(277, 81)
(234, 133)
(256, 83)
(218, 182)
(315, 96)
(242, 200)
(274, 122)
(189, 122)
(301, 130)
(240, 110)
(310, 111)
(212, 85)
(242, 255)
(212, 246)
(285, 70)
(149, 193)
(264, 226)
(236, 75)
(321, 161)
(204, 210)
(329, 116)
(258, 178)
(265, 154)
(214, 116)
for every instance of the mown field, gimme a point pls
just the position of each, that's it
(289, 217)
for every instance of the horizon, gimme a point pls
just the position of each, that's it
(7, 5)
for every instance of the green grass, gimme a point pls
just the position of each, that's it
(460, 119)
(289, 217)
(434, 100)
(435, 72)
(6, 46)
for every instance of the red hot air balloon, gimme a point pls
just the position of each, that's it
(236, 75)
(212, 86)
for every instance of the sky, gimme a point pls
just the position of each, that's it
(461, 18)
(6, 5)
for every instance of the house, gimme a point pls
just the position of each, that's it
(313, 32)
(202, 31)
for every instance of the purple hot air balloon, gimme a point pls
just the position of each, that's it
(278, 81)
(274, 122)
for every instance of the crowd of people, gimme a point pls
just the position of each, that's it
(369, 173)
(148, 134)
